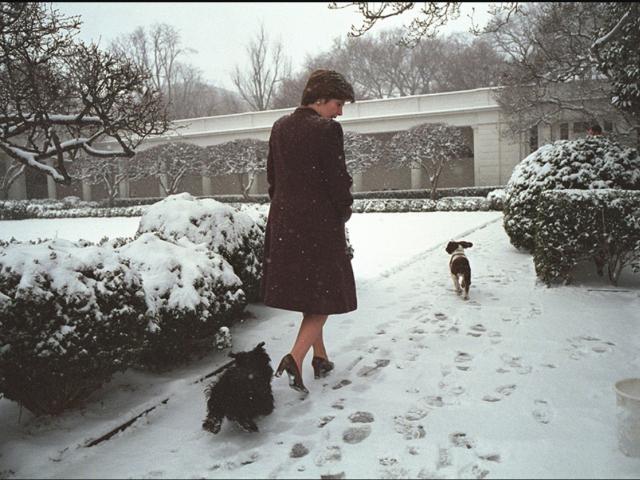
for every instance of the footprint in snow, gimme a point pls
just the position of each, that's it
(331, 454)
(370, 370)
(408, 429)
(502, 391)
(460, 439)
(463, 357)
(353, 435)
(477, 330)
(361, 417)
(542, 411)
(341, 383)
(325, 420)
(332, 476)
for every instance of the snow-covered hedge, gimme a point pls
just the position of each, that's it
(190, 293)
(577, 225)
(70, 317)
(225, 230)
(135, 207)
(587, 163)
(72, 314)
(421, 205)
(496, 198)
(426, 193)
(23, 209)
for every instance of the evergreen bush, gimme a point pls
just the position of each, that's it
(586, 163)
(69, 319)
(225, 230)
(190, 293)
(577, 225)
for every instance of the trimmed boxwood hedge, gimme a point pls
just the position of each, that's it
(69, 319)
(226, 231)
(577, 225)
(135, 207)
(190, 293)
(586, 163)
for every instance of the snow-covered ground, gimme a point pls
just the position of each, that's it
(516, 382)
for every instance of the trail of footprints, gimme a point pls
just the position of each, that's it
(411, 425)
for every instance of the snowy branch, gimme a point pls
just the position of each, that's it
(59, 96)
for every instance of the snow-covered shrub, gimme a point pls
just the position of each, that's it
(232, 234)
(18, 210)
(421, 204)
(69, 319)
(70, 207)
(72, 201)
(393, 205)
(586, 163)
(480, 191)
(462, 204)
(190, 292)
(577, 225)
(496, 199)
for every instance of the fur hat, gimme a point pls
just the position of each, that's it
(327, 84)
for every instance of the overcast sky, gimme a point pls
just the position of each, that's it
(220, 31)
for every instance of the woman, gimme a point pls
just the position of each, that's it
(306, 267)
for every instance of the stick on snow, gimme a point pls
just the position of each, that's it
(128, 423)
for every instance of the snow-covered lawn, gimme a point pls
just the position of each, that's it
(517, 382)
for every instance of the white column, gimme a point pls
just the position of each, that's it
(207, 186)
(162, 180)
(255, 186)
(51, 184)
(477, 155)
(544, 135)
(18, 189)
(358, 182)
(416, 178)
(486, 154)
(86, 191)
(123, 187)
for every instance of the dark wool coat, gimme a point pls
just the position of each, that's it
(306, 267)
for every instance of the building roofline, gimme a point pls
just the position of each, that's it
(344, 122)
(371, 101)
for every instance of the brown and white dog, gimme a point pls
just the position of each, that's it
(459, 266)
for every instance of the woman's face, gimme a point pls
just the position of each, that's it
(331, 108)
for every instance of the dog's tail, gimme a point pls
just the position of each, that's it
(464, 279)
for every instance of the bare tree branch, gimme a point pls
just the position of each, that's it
(58, 95)
(242, 157)
(268, 65)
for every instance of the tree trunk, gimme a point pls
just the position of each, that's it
(244, 190)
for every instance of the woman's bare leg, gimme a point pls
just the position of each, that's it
(319, 349)
(309, 334)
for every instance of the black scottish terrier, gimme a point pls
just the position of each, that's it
(242, 392)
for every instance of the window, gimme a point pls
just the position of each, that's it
(564, 131)
(533, 139)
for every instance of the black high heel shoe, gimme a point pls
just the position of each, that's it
(321, 367)
(288, 364)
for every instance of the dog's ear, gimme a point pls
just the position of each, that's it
(466, 244)
(451, 247)
(259, 346)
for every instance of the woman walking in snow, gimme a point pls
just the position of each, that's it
(306, 267)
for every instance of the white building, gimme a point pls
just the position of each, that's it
(494, 153)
